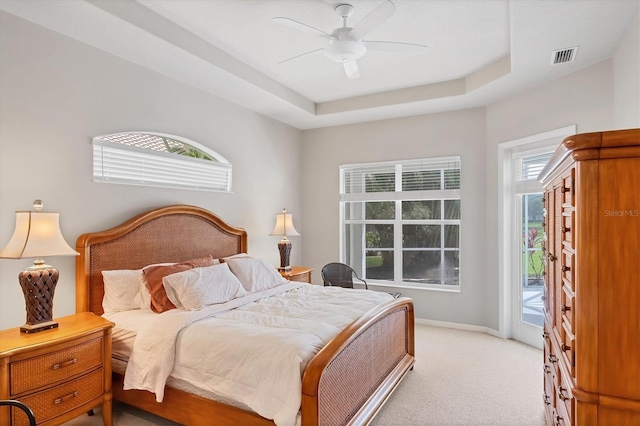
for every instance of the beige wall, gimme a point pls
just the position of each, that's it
(626, 79)
(437, 135)
(57, 93)
(600, 97)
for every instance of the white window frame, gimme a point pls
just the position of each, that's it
(398, 196)
(508, 232)
(125, 164)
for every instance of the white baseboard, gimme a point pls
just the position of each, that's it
(458, 326)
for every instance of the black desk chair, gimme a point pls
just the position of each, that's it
(342, 275)
(20, 405)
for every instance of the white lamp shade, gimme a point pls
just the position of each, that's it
(37, 234)
(284, 225)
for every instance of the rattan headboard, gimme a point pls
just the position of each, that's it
(168, 234)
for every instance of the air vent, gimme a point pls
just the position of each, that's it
(563, 55)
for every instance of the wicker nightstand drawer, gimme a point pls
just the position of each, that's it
(53, 367)
(62, 398)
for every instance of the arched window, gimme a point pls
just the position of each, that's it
(156, 159)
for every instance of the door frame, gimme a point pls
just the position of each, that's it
(508, 325)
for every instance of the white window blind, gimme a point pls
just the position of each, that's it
(528, 167)
(116, 162)
(401, 180)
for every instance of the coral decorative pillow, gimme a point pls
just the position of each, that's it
(154, 275)
(255, 274)
(121, 288)
(200, 287)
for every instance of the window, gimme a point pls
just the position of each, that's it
(400, 221)
(155, 159)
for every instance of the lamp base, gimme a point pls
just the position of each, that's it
(38, 286)
(284, 246)
(34, 328)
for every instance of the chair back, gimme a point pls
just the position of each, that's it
(21, 406)
(337, 274)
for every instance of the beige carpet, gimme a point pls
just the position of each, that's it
(460, 378)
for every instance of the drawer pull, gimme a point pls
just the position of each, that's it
(546, 369)
(558, 419)
(565, 308)
(552, 358)
(561, 394)
(565, 230)
(543, 224)
(65, 397)
(566, 347)
(565, 189)
(545, 334)
(65, 364)
(552, 257)
(545, 398)
(565, 268)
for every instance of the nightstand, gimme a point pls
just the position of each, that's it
(59, 373)
(298, 273)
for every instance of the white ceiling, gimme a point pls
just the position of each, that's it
(480, 51)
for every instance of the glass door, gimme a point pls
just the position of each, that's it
(532, 262)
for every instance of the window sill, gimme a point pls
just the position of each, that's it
(408, 286)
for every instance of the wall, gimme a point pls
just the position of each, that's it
(454, 133)
(57, 93)
(584, 98)
(626, 79)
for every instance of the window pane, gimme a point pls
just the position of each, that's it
(452, 236)
(421, 267)
(421, 180)
(381, 210)
(421, 236)
(452, 209)
(452, 179)
(429, 209)
(452, 267)
(379, 236)
(380, 265)
(380, 182)
(370, 210)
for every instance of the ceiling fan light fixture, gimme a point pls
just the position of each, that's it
(344, 50)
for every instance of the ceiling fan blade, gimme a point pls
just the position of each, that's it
(395, 47)
(351, 69)
(302, 54)
(302, 27)
(373, 20)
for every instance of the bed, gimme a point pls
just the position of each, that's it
(346, 382)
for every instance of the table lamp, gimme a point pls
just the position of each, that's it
(284, 226)
(37, 234)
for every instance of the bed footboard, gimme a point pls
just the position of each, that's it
(350, 379)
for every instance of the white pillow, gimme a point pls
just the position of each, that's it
(121, 290)
(199, 287)
(255, 274)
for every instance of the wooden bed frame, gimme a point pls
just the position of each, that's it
(347, 382)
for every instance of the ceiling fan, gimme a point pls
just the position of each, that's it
(346, 44)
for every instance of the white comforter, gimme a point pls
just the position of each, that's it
(252, 350)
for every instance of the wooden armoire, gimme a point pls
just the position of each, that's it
(592, 280)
